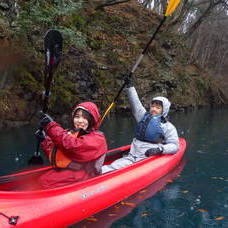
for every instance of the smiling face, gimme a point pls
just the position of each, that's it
(80, 121)
(156, 109)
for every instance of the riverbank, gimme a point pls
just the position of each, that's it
(100, 46)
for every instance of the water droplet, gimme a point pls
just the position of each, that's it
(198, 201)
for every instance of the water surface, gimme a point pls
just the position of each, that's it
(198, 197)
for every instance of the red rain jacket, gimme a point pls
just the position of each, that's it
(86, 151)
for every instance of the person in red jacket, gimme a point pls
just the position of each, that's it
(76, 155)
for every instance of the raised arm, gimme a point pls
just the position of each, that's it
(137, 108)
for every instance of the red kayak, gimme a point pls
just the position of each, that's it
(22, 205)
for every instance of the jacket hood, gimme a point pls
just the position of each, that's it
(91, 108)
(165, 103)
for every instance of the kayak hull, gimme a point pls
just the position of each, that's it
(106, 217)
(66, 205)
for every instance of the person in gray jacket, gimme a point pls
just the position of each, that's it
(155, 135)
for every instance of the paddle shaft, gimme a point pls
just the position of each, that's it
(170, 8)
(147, 46)
(45, 102)
(140, 58)
(135, 65)
(47, 88)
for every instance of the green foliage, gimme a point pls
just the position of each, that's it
(112, 57)
(203, 84)
(94, 44)
(105, 82)
(42, 15)
(4, 102)
(63, 91)
(29, 83)
(63, 97)
(78, 21)
(72, 37)
(67, 7)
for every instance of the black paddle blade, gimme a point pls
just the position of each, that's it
(53, 44)
(36, 160)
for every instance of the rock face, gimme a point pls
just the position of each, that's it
(10, 9)
(100, 46)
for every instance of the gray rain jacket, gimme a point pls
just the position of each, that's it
(171, 142)
(138, 147)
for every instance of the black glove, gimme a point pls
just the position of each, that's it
(153, 151)
(128, 80)
(45, 119)
(40, 135)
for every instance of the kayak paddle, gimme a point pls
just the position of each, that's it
(172, 5)
(53, 43)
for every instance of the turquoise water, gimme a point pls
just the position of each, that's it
(198, 197)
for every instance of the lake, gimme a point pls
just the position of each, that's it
(195, 194)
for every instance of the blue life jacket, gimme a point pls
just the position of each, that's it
(149, 129)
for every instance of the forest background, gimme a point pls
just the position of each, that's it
(102, 40)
